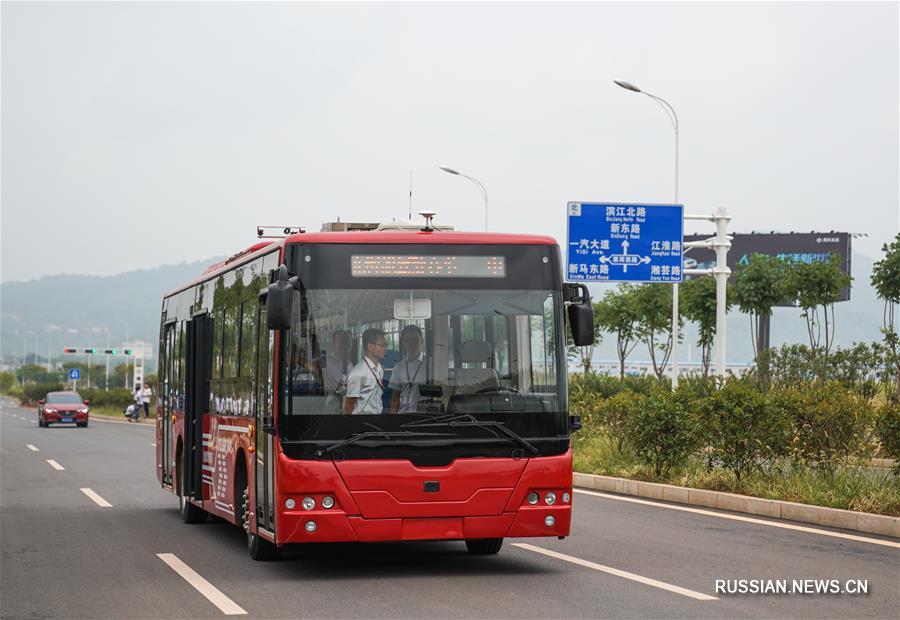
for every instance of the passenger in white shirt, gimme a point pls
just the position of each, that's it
(409, 372)
(337, 364)
(365, 383)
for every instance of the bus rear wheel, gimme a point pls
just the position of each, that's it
(484, 546)
(189, 512)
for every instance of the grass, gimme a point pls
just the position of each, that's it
(850, 488)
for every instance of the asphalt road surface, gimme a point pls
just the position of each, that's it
(88, 533)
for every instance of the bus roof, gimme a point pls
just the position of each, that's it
(374, 237)
(455, 237)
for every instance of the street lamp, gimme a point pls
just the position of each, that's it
(35, 345)
(50, 331)
(126, 342)
(450, 170)
(673, 118)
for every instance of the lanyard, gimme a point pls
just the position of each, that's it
(411, 378)
(377, 380)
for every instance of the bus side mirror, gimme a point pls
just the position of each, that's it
(280, 300)
(581, 314)
(574, 423)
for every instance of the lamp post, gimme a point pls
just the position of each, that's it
(673, 118)
(34, 359)
(50, 331)
(24, 353)
(126, 340)
(450, 170)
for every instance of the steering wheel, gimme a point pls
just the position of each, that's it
(497, 389)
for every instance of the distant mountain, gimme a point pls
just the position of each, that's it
(83, 303)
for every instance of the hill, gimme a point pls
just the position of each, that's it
(77, 304)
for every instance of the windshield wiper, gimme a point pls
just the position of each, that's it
(467, 419)
(385, 434)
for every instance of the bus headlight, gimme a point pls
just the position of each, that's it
(310, 526)
(549, 520)
(566, 498)
(533, 498)
(327, 502)
(550, 498)
(289, 503)
(308, 504)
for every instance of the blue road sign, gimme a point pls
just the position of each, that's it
(616, 242)
(74, 374)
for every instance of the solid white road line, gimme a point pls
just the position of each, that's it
(97, 499)
(212, 593)
(55, 465)
(32, 448)
(618, 573)
(721, 515)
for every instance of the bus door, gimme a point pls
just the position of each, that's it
(199, 337)
(264, 470)
(169, 380)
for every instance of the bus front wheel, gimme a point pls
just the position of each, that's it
(484, 546)
(260, 549)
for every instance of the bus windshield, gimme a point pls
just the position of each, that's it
(474, 351)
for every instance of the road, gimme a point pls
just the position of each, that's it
(64, 555)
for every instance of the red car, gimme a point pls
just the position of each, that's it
(63, 407)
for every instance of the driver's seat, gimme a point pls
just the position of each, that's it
(477, 372)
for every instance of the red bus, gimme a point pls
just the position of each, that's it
(459, 431)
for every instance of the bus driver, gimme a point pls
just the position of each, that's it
(365, 383)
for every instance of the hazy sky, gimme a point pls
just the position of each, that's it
(138, 134)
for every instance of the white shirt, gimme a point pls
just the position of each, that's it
(365, 383)
(146, 393)
(408, 374)
(335, 372)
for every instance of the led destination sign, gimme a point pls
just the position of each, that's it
(420, 266)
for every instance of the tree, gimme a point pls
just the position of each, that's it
(886, 280)
(617, 313)
(7, 380)
(758, 285)
(813, 285)
(698, 304)
(654, 310)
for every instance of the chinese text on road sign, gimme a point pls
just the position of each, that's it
(613, 242)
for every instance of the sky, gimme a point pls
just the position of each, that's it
(140, 134)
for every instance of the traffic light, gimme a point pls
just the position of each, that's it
(90, 351)
(110, 351)
(128, 351)
(70, 350)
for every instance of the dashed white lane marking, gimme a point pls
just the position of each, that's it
(212, 593)
(55, 465)
(721, 515)
(153, 445)
(97, 499)
(618, 573)
(31, 447)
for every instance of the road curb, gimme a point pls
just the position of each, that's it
(777, 509)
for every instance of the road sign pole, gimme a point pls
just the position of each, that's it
(675, 336)
(722, 273)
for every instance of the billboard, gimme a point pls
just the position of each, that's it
(799, 247)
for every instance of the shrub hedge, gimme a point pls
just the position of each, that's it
(740, 427)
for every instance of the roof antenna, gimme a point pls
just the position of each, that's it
(410, 195)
